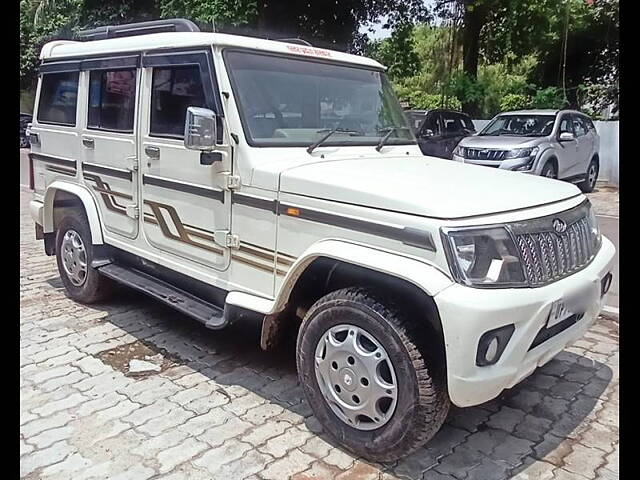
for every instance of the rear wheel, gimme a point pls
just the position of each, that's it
(74, 254)
(589, 183)
(366, 375)
(549, 170)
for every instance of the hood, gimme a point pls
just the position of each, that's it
(423, 186)
(503, 142)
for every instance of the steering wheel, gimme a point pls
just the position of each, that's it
(351, 123)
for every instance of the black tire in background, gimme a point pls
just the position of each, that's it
(422, 401)
(96, 287)
(589, 183)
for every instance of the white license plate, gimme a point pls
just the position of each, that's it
(559, 312)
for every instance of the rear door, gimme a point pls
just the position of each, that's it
(185, 206)
(108, 142)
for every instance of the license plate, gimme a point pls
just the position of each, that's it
(559, 312)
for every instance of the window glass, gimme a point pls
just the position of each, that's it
(432, 123)
(112, 96)
(579, 126)
(294, 102)
(466, 122)
(520, 125)
(452, 124)
(58, 98)
(174, 89)
(566, 125)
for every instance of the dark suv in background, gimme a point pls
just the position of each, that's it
(439, 131)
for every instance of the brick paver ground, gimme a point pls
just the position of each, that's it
(220, 408)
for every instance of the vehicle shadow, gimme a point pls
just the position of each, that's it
(492, 441)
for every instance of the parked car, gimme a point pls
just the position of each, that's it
(560, 144)
(439, 131)
(411, 282)
(25, 119)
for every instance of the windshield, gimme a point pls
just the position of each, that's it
(285, 101)
(521, 125)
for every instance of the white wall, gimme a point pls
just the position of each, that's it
(609, 148)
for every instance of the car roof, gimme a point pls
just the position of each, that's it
(60, 49)
(546, 111)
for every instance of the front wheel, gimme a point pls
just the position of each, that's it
(74, 253)
(549, 170)
(589, 183)
(364, 372)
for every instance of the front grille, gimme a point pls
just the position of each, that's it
(484, 154)
(548, 255)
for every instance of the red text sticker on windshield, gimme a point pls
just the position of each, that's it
(309, 51)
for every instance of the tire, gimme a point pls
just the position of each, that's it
(90, 287)
(549, 170)
(422, 402)
(589, 183)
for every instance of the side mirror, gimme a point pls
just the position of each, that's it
(200, 129)
(566, 137)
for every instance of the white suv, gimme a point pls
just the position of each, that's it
(559, 144)
(234, 177)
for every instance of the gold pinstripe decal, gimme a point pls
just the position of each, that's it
(280, 262)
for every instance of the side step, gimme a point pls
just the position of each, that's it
(204, 312)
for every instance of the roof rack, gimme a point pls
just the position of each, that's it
(140, 28)
(298, 41)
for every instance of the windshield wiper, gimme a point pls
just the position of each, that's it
(319, 142)
(389, 131)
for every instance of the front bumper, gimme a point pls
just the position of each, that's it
(466, 313)
(510, 164)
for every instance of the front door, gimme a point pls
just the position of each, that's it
(567, 152)
(585, 144)
(185, 208)
(431, 144)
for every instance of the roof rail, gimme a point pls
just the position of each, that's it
(140, 28)
(298, 41)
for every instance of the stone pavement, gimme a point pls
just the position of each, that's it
(605, 200)
(220, 408)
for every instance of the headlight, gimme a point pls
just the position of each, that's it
(459, 151)
(594, 228)
(483, 257)
(522, 153)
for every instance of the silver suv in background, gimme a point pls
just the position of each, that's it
(560, 144)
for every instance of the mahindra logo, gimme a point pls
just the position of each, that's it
(558, 225)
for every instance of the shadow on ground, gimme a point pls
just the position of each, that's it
(492, 441)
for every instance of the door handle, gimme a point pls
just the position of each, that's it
(88, 142)
(152, 152)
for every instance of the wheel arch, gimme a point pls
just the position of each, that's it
(330, 265)
(61, 196)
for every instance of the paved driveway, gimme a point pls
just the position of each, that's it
(222, 409)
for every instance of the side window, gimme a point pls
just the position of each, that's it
(58, 98)
(432, 123)
(579, 126)
(566, 124)
(589, 124)
(174, 89)
(452, 124)
(112, 97)
(466, 122)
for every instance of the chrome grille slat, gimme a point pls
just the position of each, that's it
(547, 255)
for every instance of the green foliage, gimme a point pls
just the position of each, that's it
(515, 101)
(223, 12)
(550, 97)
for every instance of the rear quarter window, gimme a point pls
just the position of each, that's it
(58, 98)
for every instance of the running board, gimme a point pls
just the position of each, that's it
(210, 315)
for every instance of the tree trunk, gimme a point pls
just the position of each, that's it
(475, 16)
